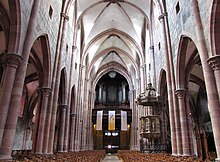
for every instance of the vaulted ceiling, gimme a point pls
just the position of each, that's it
(114, 31)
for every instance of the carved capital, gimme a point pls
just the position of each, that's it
(11, 60)
(73, 115)
(44, 91)
(181, 93)
(214, 62)
(63, 107)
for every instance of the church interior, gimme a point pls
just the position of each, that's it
(84, 79)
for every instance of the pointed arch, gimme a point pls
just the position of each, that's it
(63, 87)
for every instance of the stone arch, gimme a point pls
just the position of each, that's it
(162, 82)
(186, 52)
(190, 80)
(164, 109)
(62, 99)
(36, 84)
(113, 66)
(61, 113)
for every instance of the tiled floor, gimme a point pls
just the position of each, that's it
(111, 158)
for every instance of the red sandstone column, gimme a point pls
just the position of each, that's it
(189, 123)
(43, 93)
(72, 132)
(214, 62)
(79, 111)
(10, 62)
(174, 141)
(211, 88)
(176, 109)
(183, 121)
(67, 139)
(52, 110)
(12, 116)
(63, 109)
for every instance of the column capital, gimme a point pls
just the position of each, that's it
(44, 90)
(63, 106)
(12, 60)
(73, 115)
(181, 93)
(214, 62)
(65, 16)
(162, 15)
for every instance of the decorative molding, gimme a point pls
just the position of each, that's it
(63, 106)
(214, 62)
(181, 93)
(44, 91)
(12, 60)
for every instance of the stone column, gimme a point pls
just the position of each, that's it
(79, 111)
(100, 92)
(43, 94)
(18, 85)
(62, 122)
(144, 77)
(189, 123)
(174, 141)
(123, 92)
(10, 62)
(214, 62)
(72, 132)
(133, 124)
(71, 110)
(52, 110)
(181, 94)
(153, 66)
(211, 87)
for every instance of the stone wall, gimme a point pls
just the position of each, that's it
(180, 24)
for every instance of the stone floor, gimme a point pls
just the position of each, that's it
(111, 158)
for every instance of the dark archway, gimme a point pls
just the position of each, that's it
(36, 80)
(164, 111)
(190, 78)
(112, 102)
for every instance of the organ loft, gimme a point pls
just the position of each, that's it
(109, 79)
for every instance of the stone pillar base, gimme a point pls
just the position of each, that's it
(5, 158)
